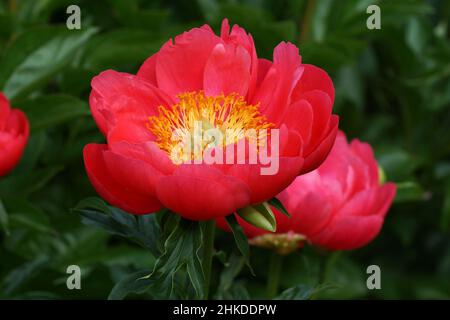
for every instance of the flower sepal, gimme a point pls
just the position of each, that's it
(260, 216)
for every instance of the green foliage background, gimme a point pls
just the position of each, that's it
(392, 90)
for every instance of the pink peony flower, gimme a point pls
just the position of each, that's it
(221, 82)
(14, 131)
(339, 206)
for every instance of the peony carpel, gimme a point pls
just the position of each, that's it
(14, 132)
(220, 81)
(339, 206)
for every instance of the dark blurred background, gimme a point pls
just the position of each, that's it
(392, 90)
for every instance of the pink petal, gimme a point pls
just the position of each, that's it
(365, 153)
(275, 91)
(321, 106)
(299, 117)
(134, 175)
(227, 71)
(349, 233)
(359, 221)
(147, 70)
(11, 150)
(263, 68)
(130, 131)
(264, 187)
(309, 214)
(180, 66)
(239, 37)
(148, 152)
(316, 158)
(118, 95)
(5, 109)
(313, 78)
(110, 186)
(200, 192)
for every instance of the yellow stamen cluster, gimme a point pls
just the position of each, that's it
(228, 113)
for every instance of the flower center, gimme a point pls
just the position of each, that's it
(198, 121)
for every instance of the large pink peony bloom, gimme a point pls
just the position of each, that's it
(14, 131)
(339, 206)
(220, 81)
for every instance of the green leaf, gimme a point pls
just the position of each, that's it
(136, 282)
(26, 216)
(239, 291)
(27, 183)
(22, 274)
(4, 218)
(182, 241)
(227, 278)
(416, 35)
(259, 215)
(299, 292)
(209, 8)
(121, 48)
(320, 21)
(132, 14)
(181, 251)
(50, 111)
(36, 55)
(409, 191)
(397, 163)
(142, 229)
(279, 206)
(35, 149)
(344, 276)
(221, 256)
(445, 217)
(240, 238)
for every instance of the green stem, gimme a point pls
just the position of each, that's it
(273, 278)
(326, 264)
(208, 251)
(305, 21)
(12, 6)
(322, 275)
(329, 262)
